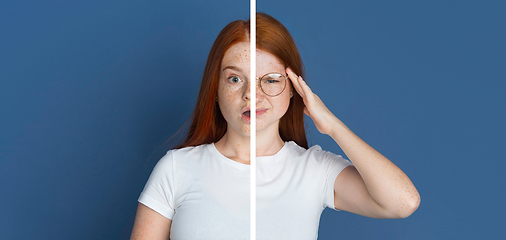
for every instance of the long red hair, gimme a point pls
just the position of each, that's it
(208, 124)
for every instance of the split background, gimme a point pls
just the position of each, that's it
(91, 90)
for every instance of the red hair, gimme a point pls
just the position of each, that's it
(208, 124)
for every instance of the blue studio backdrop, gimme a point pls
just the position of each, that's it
(93, 93)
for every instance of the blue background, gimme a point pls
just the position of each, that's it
(90, 91)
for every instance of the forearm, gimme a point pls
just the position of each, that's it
(388, 185)
(390, 192)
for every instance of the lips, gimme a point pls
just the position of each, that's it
(260, 111)
(246, 113)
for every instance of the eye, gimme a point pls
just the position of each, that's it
(272, 78)
(271, 81)
(234, 79)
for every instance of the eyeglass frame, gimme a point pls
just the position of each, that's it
(260, 83)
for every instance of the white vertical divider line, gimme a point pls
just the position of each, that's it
(253, 120)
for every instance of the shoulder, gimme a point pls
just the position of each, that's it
(189, 151)
(316, 154)
(183, 156)
(313, 152)
(295, 149)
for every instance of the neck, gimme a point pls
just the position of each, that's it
(237, 147)
(268, 143)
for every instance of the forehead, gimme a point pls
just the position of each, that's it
(239, 55)
(268, 62)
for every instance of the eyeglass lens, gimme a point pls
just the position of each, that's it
(273, 84)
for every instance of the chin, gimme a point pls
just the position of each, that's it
(246, 131)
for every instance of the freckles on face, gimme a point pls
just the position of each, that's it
(233, 90)
(276, 105)
(235, 62)
(231, 94)
(267, 63)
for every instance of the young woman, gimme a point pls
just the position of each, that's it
(200, 190)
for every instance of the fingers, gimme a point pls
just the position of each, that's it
(305, 87)
(313, 103)
(295, 82)
(300, 85)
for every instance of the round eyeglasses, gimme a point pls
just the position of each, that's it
(272, 84)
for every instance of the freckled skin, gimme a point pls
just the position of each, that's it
(232, 101)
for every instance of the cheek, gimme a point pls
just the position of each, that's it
(227, 99)
(287, 95)
(282, 103)
(286, 104)
(227, 93)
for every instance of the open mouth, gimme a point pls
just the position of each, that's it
(246, 114)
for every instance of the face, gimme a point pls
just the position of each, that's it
(234, 91)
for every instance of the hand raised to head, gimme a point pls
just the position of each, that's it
(322, 117)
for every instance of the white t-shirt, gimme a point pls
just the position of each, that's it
(207, 194)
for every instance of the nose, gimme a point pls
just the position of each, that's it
(246, 93)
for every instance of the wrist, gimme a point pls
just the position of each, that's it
(338, 128)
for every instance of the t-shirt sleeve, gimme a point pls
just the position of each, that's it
(158, 194)
(335, 164)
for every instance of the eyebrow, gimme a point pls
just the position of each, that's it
(232, 68)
